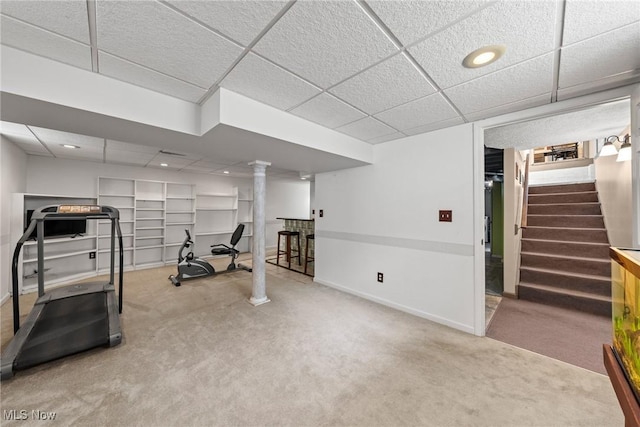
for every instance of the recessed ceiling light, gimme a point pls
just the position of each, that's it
(72, 147)
(483, 56)
(227, 172)
(164, 164)
(303, 178)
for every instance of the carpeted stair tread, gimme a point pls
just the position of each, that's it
(568, 257)
(568, 216)
(564, 228)
(580, 208)
(561, 247)
(603, 279)
(568, 242)
(594, 285)
(562, 188)
(574, 300)
(571, 221)
(554, 290)
(568, 193)
(572, 234)
(566, 263)
(576, 197)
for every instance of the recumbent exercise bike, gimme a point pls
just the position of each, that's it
(191, 267)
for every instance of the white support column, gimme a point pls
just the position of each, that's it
(259, 293)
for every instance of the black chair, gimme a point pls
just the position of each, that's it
(222, 249)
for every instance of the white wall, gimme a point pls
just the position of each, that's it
(285, 199)
(561, 175)
(384, 218)
(613, 182)
(13, 166)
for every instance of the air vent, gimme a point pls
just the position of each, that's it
(171, 153)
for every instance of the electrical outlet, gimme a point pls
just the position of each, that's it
(92, 255)
(380, 277)
(321, 213)
(445, 216)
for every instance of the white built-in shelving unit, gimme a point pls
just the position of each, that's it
(180, 215)
(217, 216)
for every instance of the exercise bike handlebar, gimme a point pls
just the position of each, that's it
(185, 244)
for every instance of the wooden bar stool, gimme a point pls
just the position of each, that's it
(307, 260)
(287, 252)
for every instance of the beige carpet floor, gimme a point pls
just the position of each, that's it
(201, 355)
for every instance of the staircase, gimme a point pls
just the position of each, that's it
(564, 259)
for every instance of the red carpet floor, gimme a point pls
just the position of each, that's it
(567, 335)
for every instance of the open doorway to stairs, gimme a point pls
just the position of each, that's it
(563, 212)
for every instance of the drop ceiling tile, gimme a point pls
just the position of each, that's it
(68, 18)
(23, 140)
(584, 19)
(137, 75)
(526, 28)
(366, 129)
(411, 20)
(386, 85)
(207, 164)
(35, 40)
(34, 150)
(28, 145)
(54, 139)
(386, 138)
(116, 146)
(434, 126)
(432, 108)
(153, 35)
(262, 81)
(79, 155)
(525, 80)
(240, 20)
(325, 42)
(328, 111)
(195, 169)
(172, 161)
(128, 157)
(600, 57)
(16, 129)
(534, 101)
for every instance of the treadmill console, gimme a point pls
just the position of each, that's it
(83, 209)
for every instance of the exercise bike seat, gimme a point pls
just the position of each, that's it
(222, 249)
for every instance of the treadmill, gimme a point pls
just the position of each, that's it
(70, 319)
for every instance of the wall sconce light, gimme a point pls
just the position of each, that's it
(625, 150)
(608, 149)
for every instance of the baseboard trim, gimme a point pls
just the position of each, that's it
(509, 295)
(4, 299)
(400, 307)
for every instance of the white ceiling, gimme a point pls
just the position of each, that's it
(374, 70)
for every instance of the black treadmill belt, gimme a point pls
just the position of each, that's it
(66, 326)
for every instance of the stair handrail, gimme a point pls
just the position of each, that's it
(525, 196)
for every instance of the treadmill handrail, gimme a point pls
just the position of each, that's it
(38, 215)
